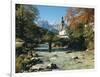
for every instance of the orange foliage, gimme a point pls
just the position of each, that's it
(75, 16)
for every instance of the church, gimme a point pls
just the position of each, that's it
(62, 31)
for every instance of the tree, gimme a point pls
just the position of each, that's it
(80, 29)
(49, 36)
(25, 21)
(76, 35)
(75, 16)
(89, 37)
(26, 16)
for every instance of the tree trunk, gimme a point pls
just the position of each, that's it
(50, 46)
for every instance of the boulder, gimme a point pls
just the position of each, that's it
(38, 67)
(52, 66)
(43, 67)
(35, 55)
(75, 57)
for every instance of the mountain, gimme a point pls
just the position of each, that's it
(46, 25)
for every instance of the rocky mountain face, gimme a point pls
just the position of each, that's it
(46, 25)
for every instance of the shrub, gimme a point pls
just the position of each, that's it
(19, 63)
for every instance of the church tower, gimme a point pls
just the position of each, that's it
(62, 32)
(62, 23)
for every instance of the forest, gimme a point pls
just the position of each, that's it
(42, 47)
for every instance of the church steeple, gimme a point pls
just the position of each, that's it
(62, 23)
(62, 32)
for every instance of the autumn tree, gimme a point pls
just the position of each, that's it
(81, 23)
(76, 16)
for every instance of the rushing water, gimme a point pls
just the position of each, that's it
(65, 60)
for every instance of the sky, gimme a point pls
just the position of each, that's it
(52, 14)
